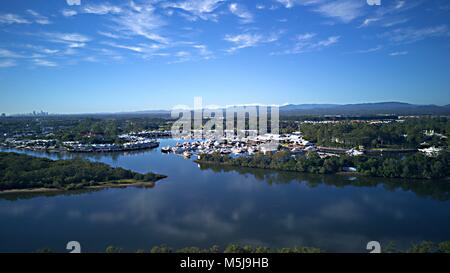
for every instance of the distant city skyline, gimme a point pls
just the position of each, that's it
(75, 56)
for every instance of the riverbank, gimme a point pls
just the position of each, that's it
(101, 185)
(415, 166)
(212, 163)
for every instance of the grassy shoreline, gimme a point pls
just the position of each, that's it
(102, 185)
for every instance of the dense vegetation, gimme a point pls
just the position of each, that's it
(410, 166)
(19, 171)
(422, 247)
(406, 134)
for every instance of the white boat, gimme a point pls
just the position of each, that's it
(165, 149)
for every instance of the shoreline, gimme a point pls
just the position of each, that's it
(341, 173)
(107, 185)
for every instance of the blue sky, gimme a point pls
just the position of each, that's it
(79, 56)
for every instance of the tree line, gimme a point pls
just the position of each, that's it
(410, 166)
(406, 134)
(19, 171)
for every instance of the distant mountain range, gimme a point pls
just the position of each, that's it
(360, 109)
(381, 108)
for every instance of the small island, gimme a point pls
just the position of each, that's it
(23, 173)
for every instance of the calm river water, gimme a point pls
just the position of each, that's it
(204, 206)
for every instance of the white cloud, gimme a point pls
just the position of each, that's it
(241, 12)
(344, 10)
(109, 35)
(370, 50)
(43, 62)
(369, 21)
(10, 19)
(41, 50)
(50, 51)
(394, 22)
(69, 12)
(307, 43)
(287, 3)
(72, 40)
(131, 48)
(398, 53)
(5, 53)
(203, 51)
(305, 36)
(140, 21)
(260, 6)
(291, 3)
(400, 4)
(198, 8)
(70, 37)
(245, 40)
(131, 20)
(390, 14)
(7, 63)
(38, 18)
(101, 9)
(327, 42)
(73, 2)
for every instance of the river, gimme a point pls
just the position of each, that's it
(205, 205)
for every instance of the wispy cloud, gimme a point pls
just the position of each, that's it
(38, 18)
(370, 50)
(246, 40)
(140, 21)
(73, 2)
(308, 42)
(203, 9)
(128, 47)
(10, 19)
(7, 63)
(260, 6)
(101, 9)
(41, 51)
(72, 40)
(69, 12)
(5, 53)
(128, 20)
(391, 13)
(43, 62)
(109, 35)
(203, 51)
(368, 21)
(398, 53)
(241, 12)
(411, 35)
(291, 3)
(344, 10)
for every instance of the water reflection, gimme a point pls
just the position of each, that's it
(435, 189)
